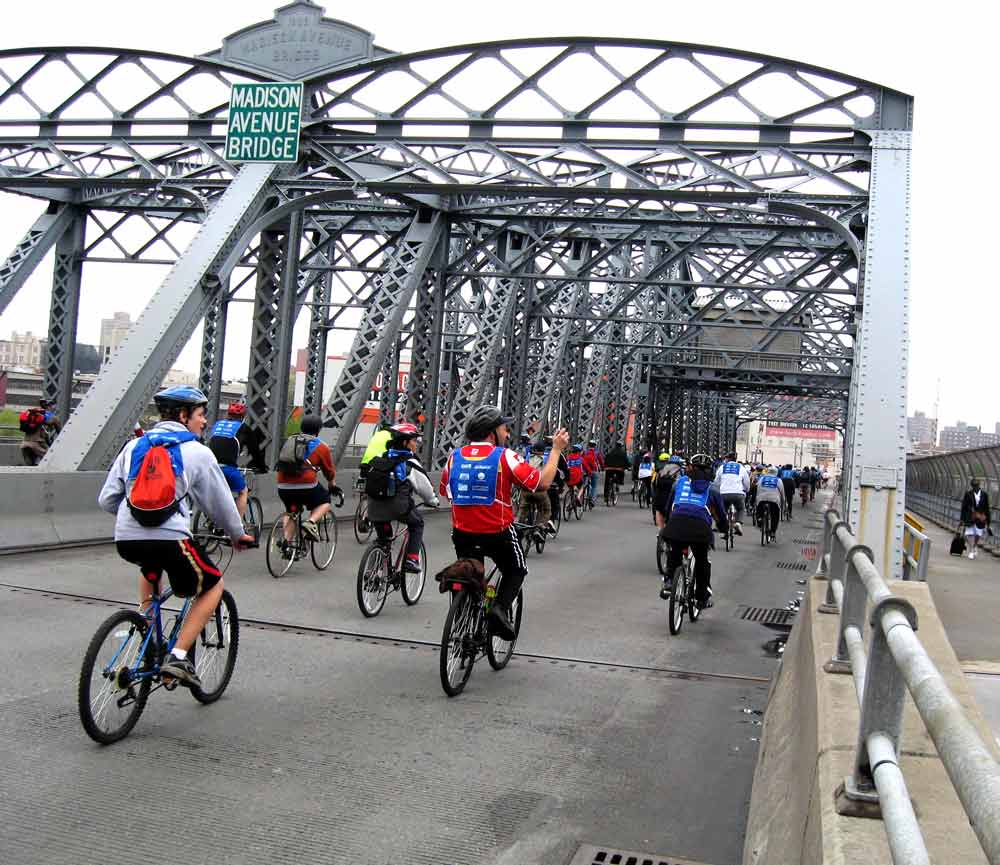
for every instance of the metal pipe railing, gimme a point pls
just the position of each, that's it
(916, 553)
(896, 662)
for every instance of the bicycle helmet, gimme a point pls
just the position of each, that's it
(46, 403)
(647, 456)
(483, 421)
(311, 425)
(181, 396)
(676, 459)
(701, 461)
(663, 457)
(237, 409)
(404, 431)
(592, 443)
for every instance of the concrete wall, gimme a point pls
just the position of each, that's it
(808, 744)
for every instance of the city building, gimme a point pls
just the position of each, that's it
(921, 429)
(21, 350)
(801, 444)
(963, 435)
(113, 333)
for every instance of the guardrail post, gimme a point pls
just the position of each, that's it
(882, 704)
(830, 518)
(838, 564)
(852, 610)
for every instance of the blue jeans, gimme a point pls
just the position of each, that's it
(593, 486)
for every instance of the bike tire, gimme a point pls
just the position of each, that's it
(539, 542)
(763, 523)
(322, 551)
(455, 661)
(556, 521)
(676, 602)
(692, 603)
(362, 525)
(203, 529)
(662, 555)
(614, 496)
(216, 649)
(411, 593)
(277, 564)
(373, 581)
(499, 650)
(127, 630)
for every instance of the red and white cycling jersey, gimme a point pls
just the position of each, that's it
(498, 516)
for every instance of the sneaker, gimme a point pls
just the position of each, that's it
(412, 566)
(738, 528)
(311, 529)
(705, 604)
(500, 623)
(972, 554)
(550, 527)
(666, 588)
(182, 670)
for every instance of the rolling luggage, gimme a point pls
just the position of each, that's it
(957, 545)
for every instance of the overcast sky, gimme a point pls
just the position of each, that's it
(934, 51)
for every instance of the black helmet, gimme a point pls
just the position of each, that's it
(183, 396)
(483, 421)
(701, 461)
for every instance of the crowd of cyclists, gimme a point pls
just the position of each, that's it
(495, 488)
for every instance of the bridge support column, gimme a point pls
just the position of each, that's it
(877, 444)
(213, 349)
(312, 395)
(67, 276)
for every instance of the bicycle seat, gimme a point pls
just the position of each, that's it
(462, 573)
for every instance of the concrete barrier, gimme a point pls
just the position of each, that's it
(808, 745)
(50, 509)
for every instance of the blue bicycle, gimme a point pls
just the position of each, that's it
(122, 663)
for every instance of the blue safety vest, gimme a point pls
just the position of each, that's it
(574, 460)
(226, 429)
(769, 481)
(787, 475)
(473, 478)
(170, 439)
(688, 503)
(731, 469)
(645, 467)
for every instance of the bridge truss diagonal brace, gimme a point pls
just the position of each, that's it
(32, 248)
(481, 367)
(593, 389)
(103, 420)
(380, 328)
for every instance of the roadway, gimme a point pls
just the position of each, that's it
(338, 744)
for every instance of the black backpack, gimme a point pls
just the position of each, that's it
(381, 482)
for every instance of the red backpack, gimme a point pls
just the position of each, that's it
(152, 485)
(32, 420)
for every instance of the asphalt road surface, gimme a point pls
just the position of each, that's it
(335, 742)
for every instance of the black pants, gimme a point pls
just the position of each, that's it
(702, 566)
(789, 493)
(775, 514)
(414, 522)
(555, 494)
(505, 551)
(612, 475)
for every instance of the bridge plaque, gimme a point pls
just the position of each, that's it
(264, 122)
(299, 43)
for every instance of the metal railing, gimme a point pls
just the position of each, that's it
(896, 661)
(916, 553)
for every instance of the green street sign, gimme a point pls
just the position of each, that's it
(264, 122)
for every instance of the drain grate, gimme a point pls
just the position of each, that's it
(769, 617)
(587, 854)
(793, 566)
(805, 540)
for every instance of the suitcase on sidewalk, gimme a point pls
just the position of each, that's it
(957, 545)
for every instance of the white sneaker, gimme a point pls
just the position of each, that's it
(972, 555)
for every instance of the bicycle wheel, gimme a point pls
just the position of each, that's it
(254, 521)
(567, 505)
(214, 652)
(322, 550)
(540, 537)
(643, 497)
(413, 584)
(373, 580)
(556, 521)
(362, 525)
(457, 653)
(676, 601)
(279, 557)
(662, 554)
(577, 509)
(499, 650)
(204, 530)
(109, 697)
(614, 495)
(763, 523)
(692, 604)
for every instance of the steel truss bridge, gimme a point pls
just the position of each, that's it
(581, 229)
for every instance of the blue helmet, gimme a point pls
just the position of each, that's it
(181, 396)
(676, 460)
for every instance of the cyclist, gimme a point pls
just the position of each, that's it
(300, 486)
(787, 475)
(558, 484)
(410, 477)
(615, 465)
(689, 524)
(377, 446)
(574, 462)
(663, 491)
(478, 479)
(543, 504)
(770, 495)
(168, 546)
(645, 473)
(733, 480)
(226, 440)
(591, 468)
(813, 481)
(40, 426)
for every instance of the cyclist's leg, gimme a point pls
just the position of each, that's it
(192, 572)
(523, 508)
(317, 500)
(594, 479)
(238, 485)
(675, 555)
(136, 553)
(702, 573)
(291, 499)
(506, 551)
(544, 507)
(415, 523)
(775, 517)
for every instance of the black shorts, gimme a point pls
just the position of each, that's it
(189, 569)
(505, 551)
(306, 497)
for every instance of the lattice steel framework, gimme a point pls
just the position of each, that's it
(736, 186)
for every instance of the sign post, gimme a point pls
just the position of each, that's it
(264, 122)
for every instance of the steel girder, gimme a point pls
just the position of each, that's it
(67, 276)
(312, 395)
(213, 349)
(32, 248)
(403, 272)
(104, 418)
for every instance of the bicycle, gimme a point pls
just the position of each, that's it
(645, 495)
(362, 525)
(731, 531)
(611, 494)
(804, 494)
(764, 521)
(466, 638)
(662, 553)
(381, 572)
(531, 534)
(282, 554)
(122, 663)
(212, 538)
(682, 599)
(786, 511)
(571, 505)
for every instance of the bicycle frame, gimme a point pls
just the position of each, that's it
(155, 638)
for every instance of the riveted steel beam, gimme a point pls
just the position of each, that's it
(31, 249)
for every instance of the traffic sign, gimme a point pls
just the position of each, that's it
(264, 122)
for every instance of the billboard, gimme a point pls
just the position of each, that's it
(789, 430)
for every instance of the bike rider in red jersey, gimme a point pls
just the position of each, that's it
(478, 480)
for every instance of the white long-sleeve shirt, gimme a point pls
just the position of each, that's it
(733, 481)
